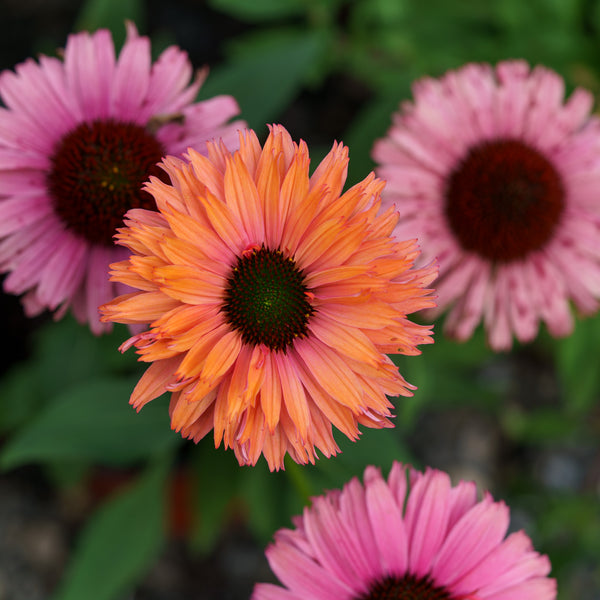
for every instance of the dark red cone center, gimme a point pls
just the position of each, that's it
(407, 587)
(504, 200)
(96, 176)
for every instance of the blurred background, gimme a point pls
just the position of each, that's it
(99, 503)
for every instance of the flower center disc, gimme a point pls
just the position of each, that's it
(266, 299)
(96, 176)
(504, 200)
(407, 587)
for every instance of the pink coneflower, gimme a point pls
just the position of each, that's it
(500, 180)
(78, 138)
(393, 541)
(272, 297)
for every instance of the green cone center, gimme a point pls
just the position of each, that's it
(407, 587)
(504, 200)
(266, 299)
(96, 175)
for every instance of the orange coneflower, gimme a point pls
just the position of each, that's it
(272, 299)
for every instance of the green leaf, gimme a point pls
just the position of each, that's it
(259, 10)
(110, 14)
(537, 426)
(266, 71)
(268, 497)
(378, 447)
(451, 373)
(579, 374)
(68, 353)
(19, 399)
(65, 353)
(274, 498)
(370, 124)
(120, 541)
(93, 421)
(216, 476)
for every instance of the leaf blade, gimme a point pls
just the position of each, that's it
(119, 542)
(92, 421)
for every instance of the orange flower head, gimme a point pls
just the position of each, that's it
(272, 299)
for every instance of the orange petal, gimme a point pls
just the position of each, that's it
(152, 383)
(138, 307)
(270, 393)
(184, 413)
(331, 373)
(333, 275)
(349, 341)
(222, 356)
(332, 170)
(242, 199)
(226, 224)
(194, 359)
(189, 284)
(372, 315)
(268, 185)
(340, 416)
(207, 173)
(249, 150)
(274, 449)
(292, 198)
(200, 241)
(293, 394)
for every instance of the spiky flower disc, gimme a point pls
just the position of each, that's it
(272, 299)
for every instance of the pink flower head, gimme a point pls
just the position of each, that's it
(389, 540)
(499, 178)
(78, 138)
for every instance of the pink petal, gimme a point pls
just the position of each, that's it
(169, 77)
(335, 547)
(476, 534)
(22, 211)
(304, 576)
(268, 591)
(388, 526)
(31, 263)
(97, 288)
(511, 563)
(354, 512)
(89, 66)
(131, 80)
(426, 517)
(64, 271)
(532, 589)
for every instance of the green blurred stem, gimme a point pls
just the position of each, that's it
(297, 475)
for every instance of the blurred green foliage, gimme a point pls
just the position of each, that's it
(111, 14)
(266, 71)
(120, 540)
